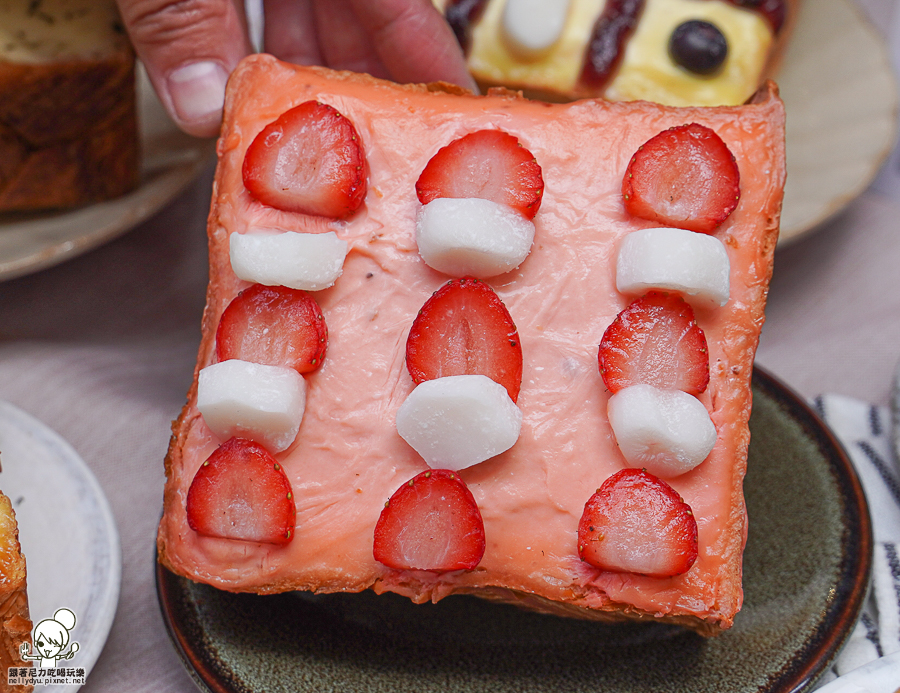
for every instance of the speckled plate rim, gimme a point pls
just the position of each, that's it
(199, 651)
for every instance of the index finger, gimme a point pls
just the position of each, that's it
(413, 41)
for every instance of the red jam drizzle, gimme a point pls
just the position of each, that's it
(462, 14)
(613, 28)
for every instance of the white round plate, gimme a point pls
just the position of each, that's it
(840, 94)
(170, 160)
(67, 532)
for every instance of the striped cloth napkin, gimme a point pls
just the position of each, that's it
(874, 645)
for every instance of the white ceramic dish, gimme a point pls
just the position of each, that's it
(170, 161)
(67, 532)
(840, 94)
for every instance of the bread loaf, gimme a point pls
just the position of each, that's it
(68, 113)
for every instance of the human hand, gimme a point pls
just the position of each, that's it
(190, 47)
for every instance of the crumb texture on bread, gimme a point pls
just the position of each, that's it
(348, 458)
(68, 111)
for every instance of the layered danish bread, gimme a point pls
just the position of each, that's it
(477, 344)
(15, 621)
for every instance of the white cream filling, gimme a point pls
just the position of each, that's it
(532, 27)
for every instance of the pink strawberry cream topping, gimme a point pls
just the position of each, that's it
(348, 458)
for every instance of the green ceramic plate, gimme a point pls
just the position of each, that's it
(806, 571)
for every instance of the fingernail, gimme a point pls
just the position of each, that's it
(197, 91)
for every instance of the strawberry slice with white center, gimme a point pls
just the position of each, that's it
(310, 160)
(464, 329)
(432, 522)
(273, 326)
(655, 341)
(684, 177)
(637, 523)
(486, 164)
(241, 492)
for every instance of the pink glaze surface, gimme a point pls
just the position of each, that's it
(348, 458)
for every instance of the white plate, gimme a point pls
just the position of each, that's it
(170, 160)
(840, 94)
(67, 532)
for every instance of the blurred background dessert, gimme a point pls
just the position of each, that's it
(675, 52)
(68, 123)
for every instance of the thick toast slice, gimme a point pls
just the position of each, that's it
(348, 458)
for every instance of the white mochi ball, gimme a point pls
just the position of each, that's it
(472, 237)
(530, 27)
(308, 261)
(693, 264)
(459, 420)
(666, 432)
(254, 401)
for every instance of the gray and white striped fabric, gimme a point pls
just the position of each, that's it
(865, 432)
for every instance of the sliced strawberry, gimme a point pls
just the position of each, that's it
(464, 329)
(487, 164)
(309, 160)
(637, 523)
(684, 177)
(430, 523)
(241, 492)
(655, 341)
(274, 326)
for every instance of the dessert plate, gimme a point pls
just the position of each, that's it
(170, 160)
(840, 94)
(67, 533)
(807, 567)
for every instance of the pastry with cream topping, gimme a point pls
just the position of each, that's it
(675, 52)
(443, 416)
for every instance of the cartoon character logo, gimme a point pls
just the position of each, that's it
(50, 638)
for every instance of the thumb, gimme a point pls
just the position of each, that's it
(189, 48)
